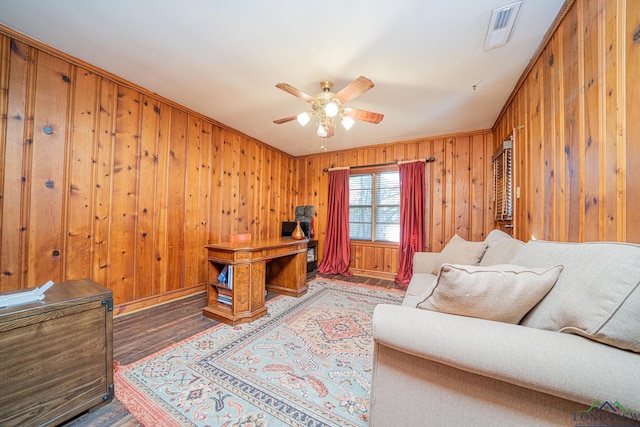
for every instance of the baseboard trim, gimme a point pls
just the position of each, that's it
(371, 273)
(131, 307)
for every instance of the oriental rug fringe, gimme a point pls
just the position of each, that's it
(306, 363)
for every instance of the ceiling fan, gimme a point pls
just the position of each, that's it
(326, 106)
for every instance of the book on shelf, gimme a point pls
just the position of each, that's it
(225, 291)
(226, 276)
(222, 277)
(224, 299)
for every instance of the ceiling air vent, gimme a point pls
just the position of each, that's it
(502, 20)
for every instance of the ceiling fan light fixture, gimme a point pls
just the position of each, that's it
(322, 131)
(303, 118)
(327, 106)
(347, 122)
(331, 109)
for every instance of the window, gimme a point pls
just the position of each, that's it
(503, 182)
(374, 207)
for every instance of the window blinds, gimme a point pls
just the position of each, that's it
(503, 185)
(374, 207)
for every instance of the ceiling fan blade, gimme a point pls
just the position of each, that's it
(353, 89)
(365, 116)
(285, 120)
(295, 92)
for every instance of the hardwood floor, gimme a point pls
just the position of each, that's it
(145, 332)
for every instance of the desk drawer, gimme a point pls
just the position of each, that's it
(283, 251)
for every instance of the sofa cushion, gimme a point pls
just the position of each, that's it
(596, 296)
(419, 284)
(460, 251)
(501, 248)
(503, 293)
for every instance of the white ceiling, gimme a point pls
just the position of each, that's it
(223, 58)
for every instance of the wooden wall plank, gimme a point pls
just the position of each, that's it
(14, 145)
(262, 211)
(610, 216)
(235, 146)
(592, 15)
(162, 209)
(478, 179)
(437, 171)
(78, 259)
(522, 161)
(632, 119)
(193, 252)
(46, 242)
(536, 149)
(289, 172)
(449, 190)
(276, 197)
(461, 180)
(5, 50)
(246, 186)
(125, 195)
(550, 70)
(204, 195)
(101, 247)
(176, 218)
(146, 203)
(217, 175)
(225, 187)
(560, 212)
(285, 208)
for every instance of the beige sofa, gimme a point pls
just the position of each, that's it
(573, 359)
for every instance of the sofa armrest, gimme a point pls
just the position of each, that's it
(559, 364)
(424, 262)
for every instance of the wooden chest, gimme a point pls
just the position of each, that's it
(56, 355)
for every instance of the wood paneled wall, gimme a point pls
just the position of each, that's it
(459, 192)
(104, 180)
(577, 128)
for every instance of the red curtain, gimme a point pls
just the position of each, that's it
(337, 251)
(412, 206)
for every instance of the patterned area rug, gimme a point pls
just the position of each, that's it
(306, 363)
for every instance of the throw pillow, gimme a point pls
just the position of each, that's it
(501, 248)
(597, 295)
(460, 251)
(504, 293)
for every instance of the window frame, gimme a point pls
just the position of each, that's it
(375, 170)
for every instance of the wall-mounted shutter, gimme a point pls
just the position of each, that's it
(503, 182)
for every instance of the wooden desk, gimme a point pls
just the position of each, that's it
(278, 265)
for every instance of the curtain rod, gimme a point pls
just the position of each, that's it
(395, 162)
